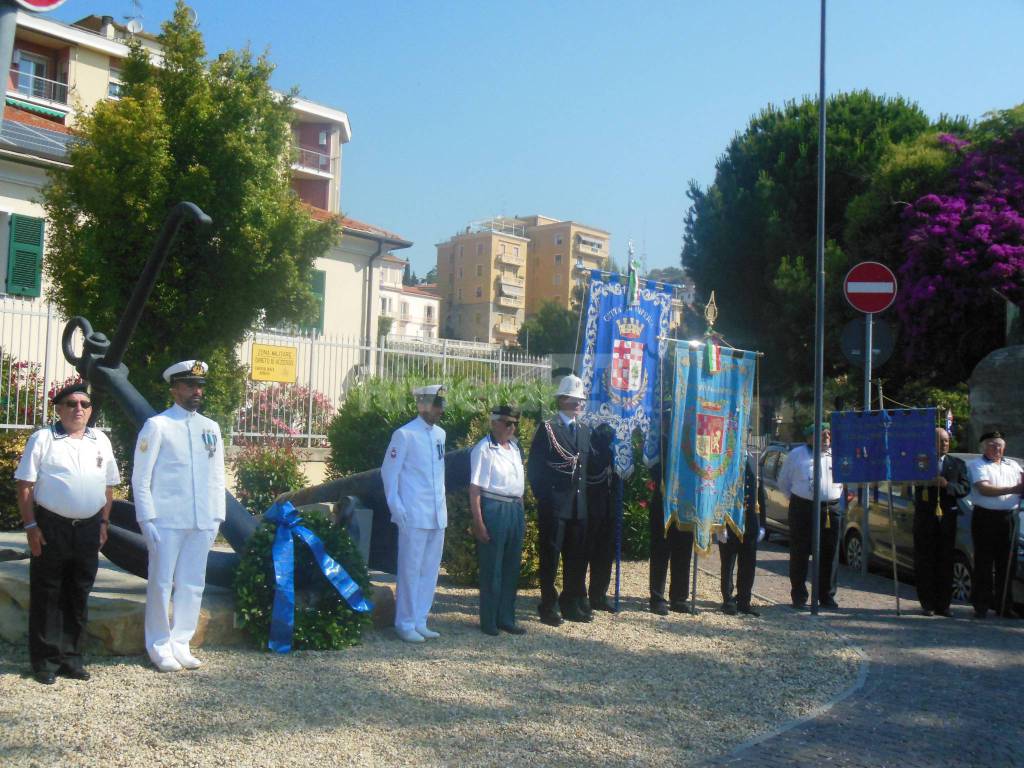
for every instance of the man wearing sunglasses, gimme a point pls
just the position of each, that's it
(65, 484)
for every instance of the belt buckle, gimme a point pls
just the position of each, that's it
(75, 521)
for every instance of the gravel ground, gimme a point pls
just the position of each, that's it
(633, 689)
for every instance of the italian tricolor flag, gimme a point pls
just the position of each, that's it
(714, 357)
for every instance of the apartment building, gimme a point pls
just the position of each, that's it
(497, 272)
(61, 69)
(412, 309)
(481, 278)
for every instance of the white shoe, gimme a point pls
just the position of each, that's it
(409, 635)
(166, 664)
(428, 634)
(185, 658)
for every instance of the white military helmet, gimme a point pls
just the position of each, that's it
(571, 386)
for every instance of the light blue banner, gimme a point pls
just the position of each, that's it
(707, 449)
(622, 355)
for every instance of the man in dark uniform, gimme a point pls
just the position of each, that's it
(557, 471)
(935, 513)
(604, 489)
(731, 549)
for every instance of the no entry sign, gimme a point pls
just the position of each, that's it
(870, 287)
(39, 6)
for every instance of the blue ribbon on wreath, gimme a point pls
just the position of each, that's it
(282, 621)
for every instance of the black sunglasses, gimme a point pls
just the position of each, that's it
(86, 404)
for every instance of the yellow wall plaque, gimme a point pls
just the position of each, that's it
(274, 363)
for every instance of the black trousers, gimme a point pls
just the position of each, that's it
(600, 554)
(934, 538)
(801, 540)
(990, 529)
(745, 552)
(59, 583)
(670, 551)
(565, 539)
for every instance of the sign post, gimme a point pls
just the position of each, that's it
(870, 287)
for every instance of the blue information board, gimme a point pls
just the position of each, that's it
(875, 446)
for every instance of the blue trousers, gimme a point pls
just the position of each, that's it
(500, 560)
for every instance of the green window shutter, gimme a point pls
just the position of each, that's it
(25, 256)
(319, 288)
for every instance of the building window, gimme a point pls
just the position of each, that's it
(479, 292)
(428, 312)
(558, 239)
(558, 258)
(501, 248)
(460, 273)
(114, 84)
(515, 250)
(323, 138)
(25, 256)
(405, 310)
(557, 278)
(479, 270)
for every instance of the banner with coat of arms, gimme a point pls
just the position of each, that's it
(707, 449)
(627, 318)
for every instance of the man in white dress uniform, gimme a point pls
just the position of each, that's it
(178, 485)
(413, 476)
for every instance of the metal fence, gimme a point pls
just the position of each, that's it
(318, 371)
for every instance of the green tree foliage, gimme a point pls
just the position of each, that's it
(431, 277)
(670, 275)
(552, 330)
(214, 134)
(265, 471)
(12, 445)
(750, 236)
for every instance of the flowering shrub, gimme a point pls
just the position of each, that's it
(12, 445)
(283, 410)
(21, 391)
(960, 247)
(265, 471)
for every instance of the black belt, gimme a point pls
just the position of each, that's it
(72, 521)
(994, 511)
(824, 503)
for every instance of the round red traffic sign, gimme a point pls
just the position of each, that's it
(39, 6)
(870, 287)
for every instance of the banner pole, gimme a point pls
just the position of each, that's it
(693, 582)
(618, 537)
(892, 543)
(1008, 581)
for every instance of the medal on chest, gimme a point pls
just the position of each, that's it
(99, 460)
(210, 442)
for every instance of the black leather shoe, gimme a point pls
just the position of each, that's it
(75, 673)
(729, 608)
(945, 612)
(550, 616)
(602, 604)
(573, 612)
(927, 612)
(659, 607)
(828, 602)
(679, 606)
(584, 605)
(746, 610)
(980, 613)
(799, 606)
(512, 630)
(44, 677)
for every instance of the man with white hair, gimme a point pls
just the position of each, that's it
(996, 487)
(413, 477)
(557, 471)
(178, 487)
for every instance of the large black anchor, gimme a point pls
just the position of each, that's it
(101, 364)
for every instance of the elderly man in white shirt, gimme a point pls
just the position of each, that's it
(178, 487)
(796, 482)
(496, 486)
(65, 486)
(996, 488)
(413, 477)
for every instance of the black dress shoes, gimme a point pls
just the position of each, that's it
(679, 606)
(489, 631)
(746, 610)
(828, 602)
(512, 630)
(550, 616)
(573, 612)
(944, 612)
(729, 608)
(75, 673)
(927, 612)
(659, 607)
(584, 605)
(799, 606)
(44, 677)
(602, 604)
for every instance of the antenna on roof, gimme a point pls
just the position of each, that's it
(134, 26)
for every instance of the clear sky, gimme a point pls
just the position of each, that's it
(595, 111)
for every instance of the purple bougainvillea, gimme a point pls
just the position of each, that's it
(961, 246)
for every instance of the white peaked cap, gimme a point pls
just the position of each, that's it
(571, 386)
(186, 369)
(431, 390)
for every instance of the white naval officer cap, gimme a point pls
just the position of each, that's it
(571, 386)
(187, 370)
(433, 393)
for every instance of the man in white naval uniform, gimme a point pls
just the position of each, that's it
(178, 485)
(413, 476)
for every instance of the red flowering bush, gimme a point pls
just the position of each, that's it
(283, 410)
(21, 391)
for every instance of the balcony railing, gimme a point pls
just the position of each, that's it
(518, 282)
(510, 301)
(37, 87)
(310, 160)
(511, 258)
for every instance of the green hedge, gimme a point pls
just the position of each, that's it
(265, 471)
(12, 445)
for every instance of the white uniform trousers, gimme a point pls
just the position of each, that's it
(177, 570)
(419, 560)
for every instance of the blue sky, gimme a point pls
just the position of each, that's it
(595, 111)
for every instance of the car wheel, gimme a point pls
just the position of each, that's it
(961, 579)
(853, 549)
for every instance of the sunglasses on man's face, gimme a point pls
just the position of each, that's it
(508, 422)
(73, 404)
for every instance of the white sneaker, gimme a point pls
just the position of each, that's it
(166, 664)
(429, 634)
(185, 658)
(409, 635)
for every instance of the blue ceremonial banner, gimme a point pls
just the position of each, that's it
(282, 620)
(622, 353)
(875, 446)
(711, 410)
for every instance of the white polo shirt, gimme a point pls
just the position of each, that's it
(71, 474)
(1006, 472)
(797, 475)
(497, 468)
